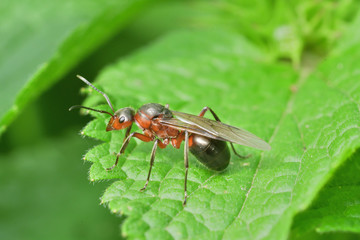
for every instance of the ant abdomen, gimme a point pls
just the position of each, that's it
(212, 153)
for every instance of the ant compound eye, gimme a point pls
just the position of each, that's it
(122, 119)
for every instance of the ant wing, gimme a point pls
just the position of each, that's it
(191, 128)
(215, 130)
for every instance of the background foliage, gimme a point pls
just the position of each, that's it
(285, 70)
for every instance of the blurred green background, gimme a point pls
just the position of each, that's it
(44, 187)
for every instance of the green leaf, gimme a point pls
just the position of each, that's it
(336, 208)
(211, 63)
(311, 123)
(42, 40)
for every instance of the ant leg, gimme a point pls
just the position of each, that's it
(186, 163)
(125, 144)
(202, 113)
(127, 133)
(153, 151)
(176, 142)
(240, 156)
(157, 143)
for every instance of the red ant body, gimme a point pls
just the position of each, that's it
(205, 138)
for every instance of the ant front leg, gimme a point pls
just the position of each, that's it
(126, 141)
(127, 133)
(202, 113)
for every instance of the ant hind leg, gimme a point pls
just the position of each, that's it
(202, 113)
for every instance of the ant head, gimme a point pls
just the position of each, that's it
(122, 118)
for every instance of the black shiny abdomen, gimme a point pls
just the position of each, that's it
(212, 153)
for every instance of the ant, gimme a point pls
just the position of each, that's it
(205, 138)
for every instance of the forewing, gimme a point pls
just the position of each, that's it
(181, 125)
(216, 130)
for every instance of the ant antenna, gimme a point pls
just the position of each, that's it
(92, 109)
(105, 96)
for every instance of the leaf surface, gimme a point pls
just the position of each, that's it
(337, 207)
(311, 123)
